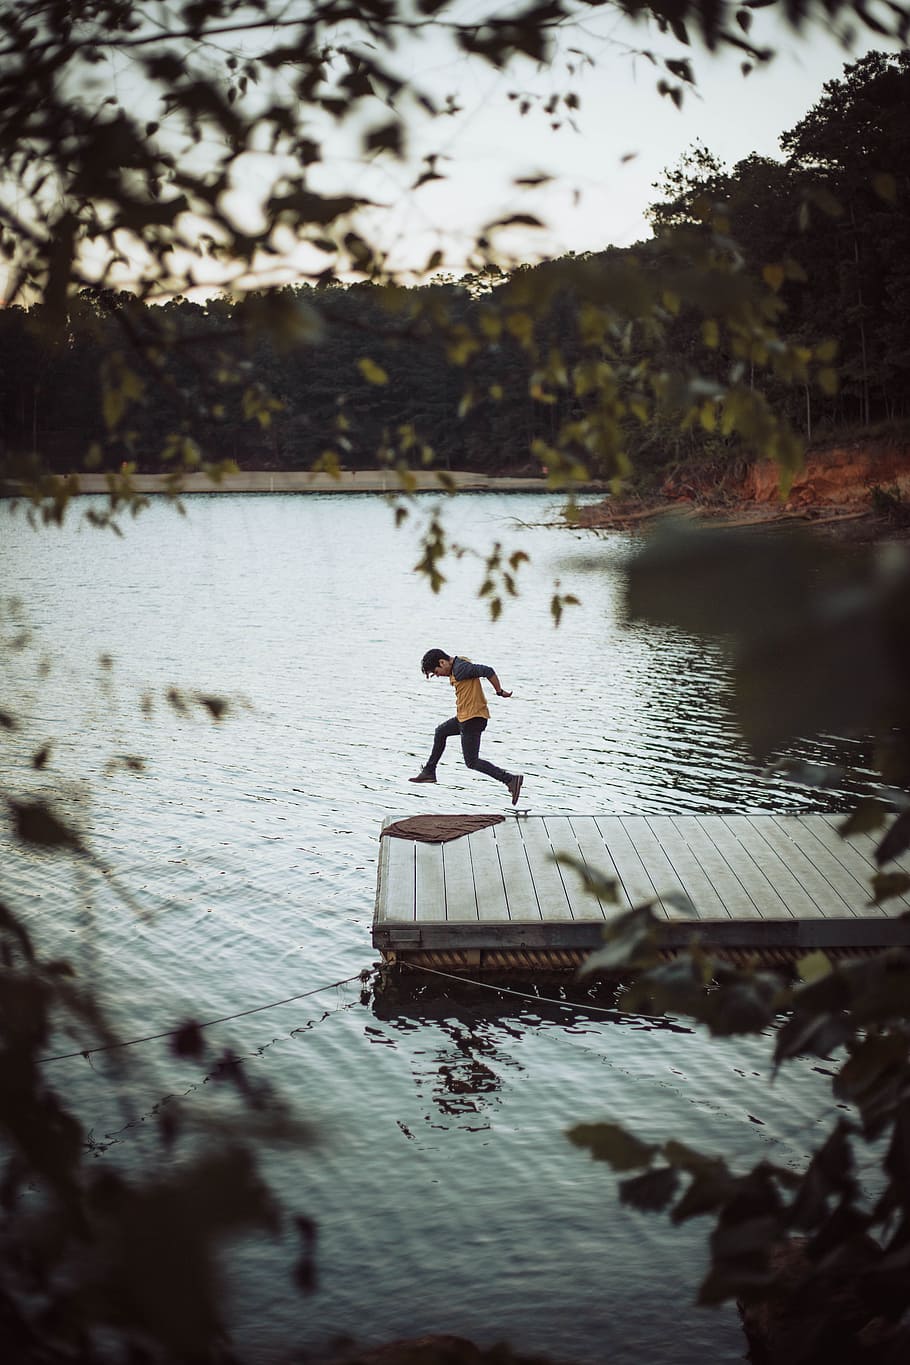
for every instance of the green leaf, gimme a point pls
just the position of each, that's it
(774, 276)
(372, 373)
(594, 881)
(629, 938)
(813, 966)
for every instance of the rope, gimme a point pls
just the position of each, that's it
(226, 1019)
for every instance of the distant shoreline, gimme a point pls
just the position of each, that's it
(306, 481)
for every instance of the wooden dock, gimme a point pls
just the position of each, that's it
(497, 899)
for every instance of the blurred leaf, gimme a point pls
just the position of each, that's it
(387, 138)
(885, 186)
(372, 373)
(745, 1006)
(810, 1035)
(887, 885)
(593, 880)
(10, 924)
(896, 841)
(874, 1072)
(818, 775)
(188, 1040)
(774, 276)
(810, 636)
(867, 815)
(652, 1191)
(36, 823)
(611, 1143)
(217, 707)
(709, 1189)
(813, 966)
(628, 937)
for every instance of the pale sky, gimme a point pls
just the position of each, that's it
(627, 135)
(604, 168)
(604, 159)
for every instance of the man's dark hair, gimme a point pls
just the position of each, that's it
(432, 659)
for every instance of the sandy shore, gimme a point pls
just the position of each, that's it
(859, 524)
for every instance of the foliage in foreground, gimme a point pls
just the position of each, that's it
(96, 187)
(818, 644)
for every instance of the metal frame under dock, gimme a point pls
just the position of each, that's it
(497, 899)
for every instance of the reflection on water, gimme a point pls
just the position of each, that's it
(446, 1195)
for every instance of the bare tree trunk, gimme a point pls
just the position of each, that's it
(866, 406)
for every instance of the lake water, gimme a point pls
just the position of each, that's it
(237, 867)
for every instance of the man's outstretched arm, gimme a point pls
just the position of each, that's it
(462, 669)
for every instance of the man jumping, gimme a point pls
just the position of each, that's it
(470, 719)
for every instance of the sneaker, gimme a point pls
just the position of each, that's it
(423, 777)
(515, 787)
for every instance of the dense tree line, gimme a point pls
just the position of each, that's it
(474, 373)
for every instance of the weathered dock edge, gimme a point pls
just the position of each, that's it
(766, 887)
(585, 937)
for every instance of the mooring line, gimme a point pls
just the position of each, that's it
(362, 975)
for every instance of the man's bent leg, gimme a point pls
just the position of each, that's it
(471, 731)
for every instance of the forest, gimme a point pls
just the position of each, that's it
(364, 372)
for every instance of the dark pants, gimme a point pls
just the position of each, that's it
(470, 731)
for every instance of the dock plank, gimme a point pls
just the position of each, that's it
(692, 876)
(858, 855)
(636, 886)
(826, 898)
(793, 895)
(458, 876)
(489, 887)
(853, 891)
(733, 896)
(761, 890)
(663, 875)
(563, 840)
(595, 853)
(516, 872)
(552, 897)
(430, 882)
(397, 898)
